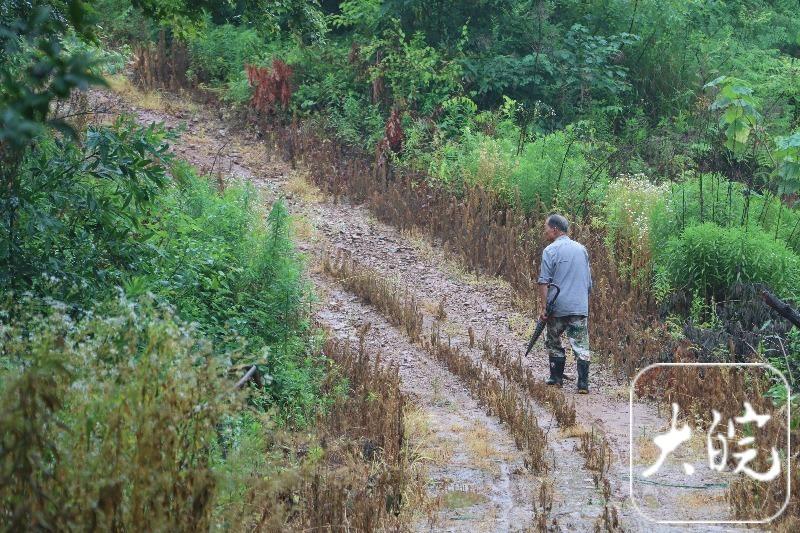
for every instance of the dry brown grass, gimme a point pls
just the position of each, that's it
(429, 306)
(573, 431)
(484, 453)
(420, 241)
(299, 186)
(302, 228)
(499, 399)
(364, 479)
(402, 309)
(423, 450)
(646, 451)
(608, 521)
(398, 306)
(754, 499)
(512, 369)
(477, 440)
(595, 448)
(161, 65)
(542, 506)
(490, 237)
(151, 99)
(699, 499)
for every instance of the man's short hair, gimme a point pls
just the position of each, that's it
(558, 222)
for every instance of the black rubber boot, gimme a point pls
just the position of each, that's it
(556, 370)
(583, 376)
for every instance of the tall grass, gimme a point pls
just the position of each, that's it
(107, 422)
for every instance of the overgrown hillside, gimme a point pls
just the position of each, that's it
(135, 295)
(671, 128)
(138, 289)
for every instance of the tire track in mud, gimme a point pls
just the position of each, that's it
(486, 307)
(574, 488)
(473, 465)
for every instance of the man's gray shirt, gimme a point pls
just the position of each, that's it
(567, 263)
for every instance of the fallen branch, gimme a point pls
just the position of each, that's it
(251, 374)
(783, 309)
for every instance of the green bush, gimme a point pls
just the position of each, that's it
(555, 170)
(628, 209)
(708, 259)
(108, 422)
(724, 203)
(80, 210)
(357, 122)
(237, 278)
(218, 53)
(106, 214)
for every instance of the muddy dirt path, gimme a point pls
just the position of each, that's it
(477, 470)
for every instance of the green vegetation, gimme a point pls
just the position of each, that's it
(133, 293)
(100, 419)
(109, 213)
(710, 259)
(129, 282)
(670, 127)
(550, 103)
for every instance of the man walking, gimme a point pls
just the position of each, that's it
(565, 263)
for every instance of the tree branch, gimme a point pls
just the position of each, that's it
(783, 309)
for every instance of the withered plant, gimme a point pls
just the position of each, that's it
(162, 65)
(608, 521)
(272, 87)
(401, 308)
(542, 506)
(499, 398)
(512, 369)
(360, 479)
(597, 452)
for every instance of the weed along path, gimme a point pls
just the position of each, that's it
(477, 476)
(501, 451)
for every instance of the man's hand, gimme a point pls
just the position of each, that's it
(543, 288)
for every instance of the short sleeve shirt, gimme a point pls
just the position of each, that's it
(566, 263)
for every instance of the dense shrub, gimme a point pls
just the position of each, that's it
(79, 211)
(627, 218)
(108, 213)
(218, 53)
(357, 122)
(107, 422)
(712, 198)
(708, 259)
(238, 279)
(555, 170)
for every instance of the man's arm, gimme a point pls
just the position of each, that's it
(545, 275)
(543, 300)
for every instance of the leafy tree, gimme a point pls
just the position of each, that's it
(590, 65)
(418, 76)
(740, 116)
(34, 72)
(787, 154)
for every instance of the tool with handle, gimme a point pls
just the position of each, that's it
(540, 324)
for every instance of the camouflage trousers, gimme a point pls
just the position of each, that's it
(577, 330)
